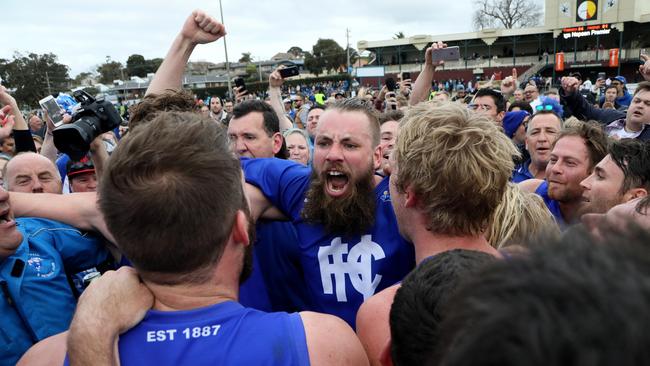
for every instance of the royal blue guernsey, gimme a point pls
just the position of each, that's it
(223, 334)
(552, 205)
(340, 271)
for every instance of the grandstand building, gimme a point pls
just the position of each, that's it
(589, 36)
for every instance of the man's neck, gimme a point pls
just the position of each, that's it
(536, 171)
(633, 126)
(191, 296)
(428, 244)
(570, 211)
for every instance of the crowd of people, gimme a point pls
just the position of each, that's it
(406, 225)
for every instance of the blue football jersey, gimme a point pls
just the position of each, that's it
(340, 271)
(223, 334)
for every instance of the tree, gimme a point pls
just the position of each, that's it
(109, 71)
(296, 51)
(34, 76)
(136, 65)
(154, 64)
(312, 64)
(354, 56)
(245, 58)
(506, 13)
(328, 55)
(78, 80)
(251, 72)
(399, 35)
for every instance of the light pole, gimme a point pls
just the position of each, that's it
(225, 48)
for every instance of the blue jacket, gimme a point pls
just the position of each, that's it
(583, 110)
(37, 299)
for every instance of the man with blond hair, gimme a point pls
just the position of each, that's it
(443, 195)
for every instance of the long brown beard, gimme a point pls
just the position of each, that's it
(351, 215)
(247, 265)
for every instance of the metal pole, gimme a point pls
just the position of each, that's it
(554, 52)
(620, 51)
(349, 68)
(399, 57)
(347, 37)
(259, 68)
(225, 48)
(514, 51)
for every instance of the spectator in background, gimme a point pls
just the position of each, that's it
(441, 96)
(609, 102)
(460, 95)
(288, 109)
(313, 118)
(228, 106)
(254, 131)
(630, 124)
(520, 106)
(298, 145)
(543, 129)
(81, 175)
(38, 143)
(490, 103)
(388, 131)
(32, 173)
(3, 162)
(518, 95)
(7, 146)
(302, 110)
(36, 126)
(205, 110)
(514, 126)
(531, 95)
(216, 110)
(623, 97)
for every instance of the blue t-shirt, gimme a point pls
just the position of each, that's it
(521, 172)
(37, 300)
(552, 205)
(340, 271)
(223, 334)
(277, 282)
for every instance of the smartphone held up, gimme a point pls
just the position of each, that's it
(445, 54)
(53, 109)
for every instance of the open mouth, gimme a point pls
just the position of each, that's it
(337, 182)
(6, 218)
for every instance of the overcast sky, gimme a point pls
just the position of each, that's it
(83, 33)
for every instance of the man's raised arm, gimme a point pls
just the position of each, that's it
(422, 86)
(199, 28)
(275, 96)
(76, 209)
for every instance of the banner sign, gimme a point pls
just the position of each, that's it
(587, 30)
(559, 61)
(613, 57)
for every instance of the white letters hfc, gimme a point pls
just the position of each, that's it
(333, 267)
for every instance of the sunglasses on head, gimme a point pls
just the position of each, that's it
(544, 107)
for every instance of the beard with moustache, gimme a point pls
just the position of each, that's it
(247, 265)
(349, 215)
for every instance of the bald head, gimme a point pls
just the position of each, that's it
(32, 173)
